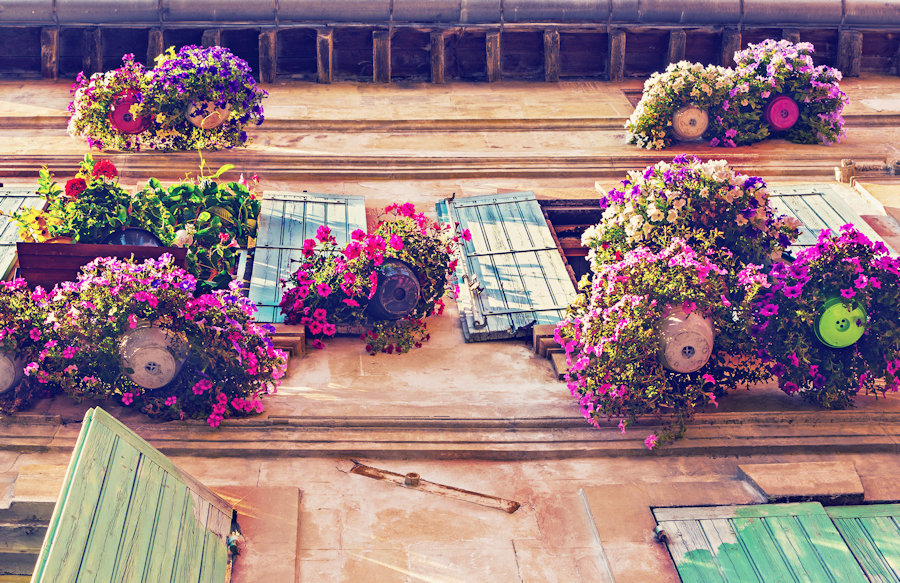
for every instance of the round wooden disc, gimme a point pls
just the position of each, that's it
(782, 113)
(206, 116)
(689, 122)
(10, 372)
(148, 351)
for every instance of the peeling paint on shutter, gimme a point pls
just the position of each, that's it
(11, 200)
(511, 274)
(817, 206)
(285, 221)
(127, 513)
(770, 542)
(873, 535)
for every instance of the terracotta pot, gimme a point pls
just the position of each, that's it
(120, 115)
(153, 354)
(685, 341)
(689, 122)
(206, 116)
(12, 369)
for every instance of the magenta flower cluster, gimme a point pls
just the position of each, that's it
(230, 361)
(847, 266)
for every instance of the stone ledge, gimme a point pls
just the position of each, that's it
(825, 482)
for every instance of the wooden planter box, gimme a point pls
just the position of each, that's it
(47, 264)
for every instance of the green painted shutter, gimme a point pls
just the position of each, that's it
(764, 543)
(11, 200)
(817, 206)
(511, 274)
(873, 535)
(285, 221)
(127, 514)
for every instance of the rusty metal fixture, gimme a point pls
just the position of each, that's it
(411, 479)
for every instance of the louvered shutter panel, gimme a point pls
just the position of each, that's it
(286, 220)
(511, 274)
(769, 542)
(873, 535)
(11, 200)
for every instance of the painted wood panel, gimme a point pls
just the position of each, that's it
(771, 542)
(11, 200)
(511, 274)
(817, 206)
(873, 535)
(286, 220)
(127, 514)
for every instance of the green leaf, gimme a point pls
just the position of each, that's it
(222, 170)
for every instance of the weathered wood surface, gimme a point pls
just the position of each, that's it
(325, 55)
(873, 535)
(126, 513)
(286, 220)
(11, 200)
(817, 206)
(511, 274)
(771, 542)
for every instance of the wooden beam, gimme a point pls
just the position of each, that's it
(791, 35)
(212, 37)
(492, 55)
(677, 42)
(154, 45)
(731, 43)
(50, 53)
(268, 56)
(551, 55)
(325, 55)
(438, 64)
(849, 52)
(616, 67)
(381, 56)
(92, 51)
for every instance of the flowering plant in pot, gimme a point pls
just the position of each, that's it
(392, 278)
(653, 335)
(777, 86)
(111, 110)
(675, 199)
(211, 218)
(654, 123)
(204, 98)
(213, 361)
(828, 322)
(21, 319)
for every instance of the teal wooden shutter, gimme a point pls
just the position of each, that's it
(511, 273)
(11, 200)
(817, 206)
(285, 221)
(764, 543)
(127, 513)
(873, 535)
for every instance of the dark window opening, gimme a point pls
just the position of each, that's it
(568, 219)
(297, 53)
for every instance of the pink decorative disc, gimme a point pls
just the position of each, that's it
(120, 115)
(782, 113)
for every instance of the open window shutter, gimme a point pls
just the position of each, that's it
(873, 535)
(770, 542)
(127, 513)
(11, 200)
(817, 206)
(285, 221)
(511, 274)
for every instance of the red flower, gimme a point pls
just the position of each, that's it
(75, 186)
(105, 168)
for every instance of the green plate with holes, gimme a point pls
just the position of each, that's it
(839, 327)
